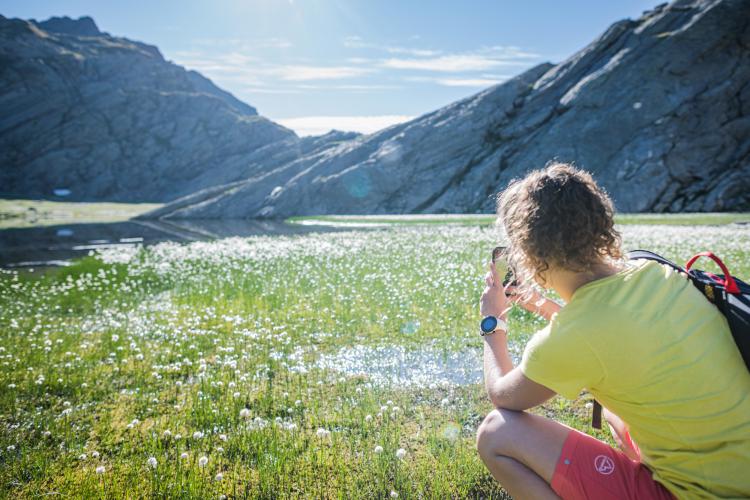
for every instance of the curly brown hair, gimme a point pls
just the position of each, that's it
(557, 216)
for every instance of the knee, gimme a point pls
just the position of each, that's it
(494, 436)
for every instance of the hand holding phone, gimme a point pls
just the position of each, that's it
(503, 268)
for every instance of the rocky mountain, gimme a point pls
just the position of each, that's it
(108, 118)
(657, 108)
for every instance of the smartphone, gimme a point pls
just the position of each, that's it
(502, 266)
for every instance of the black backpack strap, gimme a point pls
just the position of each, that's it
(645, 254)
(596, 416)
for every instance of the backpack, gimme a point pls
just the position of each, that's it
(729, 294)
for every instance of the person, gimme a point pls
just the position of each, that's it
(636, 335)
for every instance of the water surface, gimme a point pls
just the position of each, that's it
(57, 245)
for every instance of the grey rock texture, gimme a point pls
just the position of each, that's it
(657, 108)
(109, 119)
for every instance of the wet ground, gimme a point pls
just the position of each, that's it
(56, 245)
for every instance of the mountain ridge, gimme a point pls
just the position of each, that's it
(108, 118)
(654, 108)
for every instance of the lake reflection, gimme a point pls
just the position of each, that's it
(56, 245)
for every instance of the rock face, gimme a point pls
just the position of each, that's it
(657, 108)
(109, 119)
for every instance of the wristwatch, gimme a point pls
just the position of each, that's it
(490, 324)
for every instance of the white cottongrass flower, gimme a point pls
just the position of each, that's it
(82, 456)
(184, 455)
(197, 435)
(223, 437)
(100, 469)
(202, 461)
(378, 449)
(11, 447)
(400, 453)
(219, 476)
(167, 434)
(394, 494)
(95, 454)
(322, 433)
(244, 413)
(368, 418)
(151, 462)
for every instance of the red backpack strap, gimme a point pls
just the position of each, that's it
(729, 284)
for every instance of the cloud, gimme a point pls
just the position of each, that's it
(317, 125)
(242, 68)
(454, 63)
(301, 73)
(356, 42)
(468, 82)
(352, 87)
(481, 59)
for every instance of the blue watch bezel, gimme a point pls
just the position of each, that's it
(488, 328)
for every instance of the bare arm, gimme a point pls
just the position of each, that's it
(621, 435)
(507, 387)
(536, 304)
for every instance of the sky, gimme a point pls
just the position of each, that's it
(315, 65)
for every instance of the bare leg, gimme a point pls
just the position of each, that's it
(521, 451)
(517, 479)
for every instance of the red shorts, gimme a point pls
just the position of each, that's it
(591, 469)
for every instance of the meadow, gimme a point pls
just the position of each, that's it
(335, 365)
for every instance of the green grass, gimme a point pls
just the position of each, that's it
(110, 353)
(30, 213)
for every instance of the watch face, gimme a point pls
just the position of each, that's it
(488, 324)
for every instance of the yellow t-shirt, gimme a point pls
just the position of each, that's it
(651, 348)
